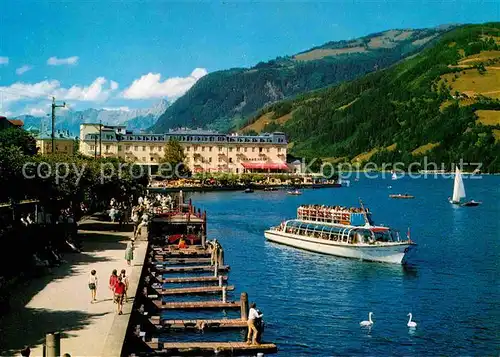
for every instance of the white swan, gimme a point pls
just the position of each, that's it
(410, 322)
(369, 322)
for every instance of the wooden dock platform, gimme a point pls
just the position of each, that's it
(188, 268)
(210, 348)
(200, 305)
(160, 259)
(197, 324)
(200, 257)
(194, 290)
(191, 279)
(184, 253)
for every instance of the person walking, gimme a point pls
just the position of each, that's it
(129, 252)
(93, 286)
(253, 315)
(135, 220)
(113, 279)
(119, 293)
(145, 220)
(125, 281)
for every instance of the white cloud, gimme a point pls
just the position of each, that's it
(4, 60)
(123, 109)
(37, 112)
(54, 61)
(151, 86)
(113, 85)
(97, 91)
(23, 69)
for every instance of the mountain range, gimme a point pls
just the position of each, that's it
(441, 105)
(223, 100)
(134, 119)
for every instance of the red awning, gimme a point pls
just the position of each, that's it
(379, 229)
(265, 165)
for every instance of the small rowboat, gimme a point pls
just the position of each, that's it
(407, 196)
(295, 192)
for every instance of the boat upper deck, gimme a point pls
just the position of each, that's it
(353, 216)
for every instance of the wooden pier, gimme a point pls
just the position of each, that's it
(191, 279)
(195, 290)
(205, 261)
(210, 348)
(197, 324)
(181, 269)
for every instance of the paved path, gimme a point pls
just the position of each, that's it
(61, 301)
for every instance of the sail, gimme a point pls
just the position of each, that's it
(394, 176)
(458, 187)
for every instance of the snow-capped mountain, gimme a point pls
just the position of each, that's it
(134, 119)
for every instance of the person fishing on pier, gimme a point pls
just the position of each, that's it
(254, 319)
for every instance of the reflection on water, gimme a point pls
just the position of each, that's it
(313, 303)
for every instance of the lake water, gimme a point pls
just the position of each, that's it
(313, 304)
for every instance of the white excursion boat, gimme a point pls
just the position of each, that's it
(459, 191)
(341, 232)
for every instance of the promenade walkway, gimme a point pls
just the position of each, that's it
(61, 300)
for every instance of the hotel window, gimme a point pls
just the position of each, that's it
(260, 149)
(202, 148)
(245, 150)
(92, 147)
(238, 149)
(119, 148)
(209, 159)
(136, 148)
(268, 150)
(230, 159)
(230, 149)
(160, 148)
(187, 148)
(210, 148)
(220, 148)
(253, 149)
(279, 149)
(127, 147)
(220, 160)
(143, 148)
(107, 147)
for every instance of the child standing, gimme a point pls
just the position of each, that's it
(93, 286)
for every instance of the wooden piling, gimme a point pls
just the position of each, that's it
(224, 293)
(244, 306)
(53, 344)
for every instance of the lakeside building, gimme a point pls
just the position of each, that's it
(10, 123)
(206, 151)
(64, 143)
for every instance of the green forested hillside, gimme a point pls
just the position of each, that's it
(443, 103)
(224, 100)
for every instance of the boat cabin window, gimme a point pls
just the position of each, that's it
(385, 236)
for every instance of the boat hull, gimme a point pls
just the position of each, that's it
(394, 253)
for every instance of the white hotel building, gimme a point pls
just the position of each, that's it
(206, 151)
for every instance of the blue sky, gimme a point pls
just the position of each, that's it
(99, 48)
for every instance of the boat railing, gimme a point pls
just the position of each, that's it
(339, 217)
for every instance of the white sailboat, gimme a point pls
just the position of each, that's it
(459, 191)
(394, 176)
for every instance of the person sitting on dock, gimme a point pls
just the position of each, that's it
(182, 243)
(253, 316)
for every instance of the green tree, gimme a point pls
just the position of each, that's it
(176, 160)
(18, 138)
